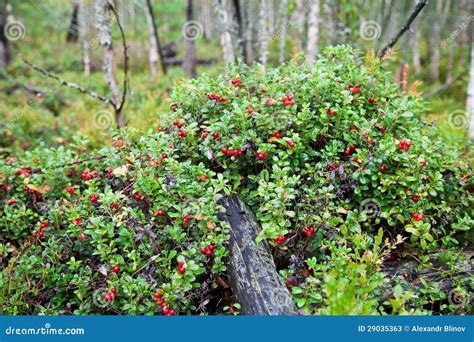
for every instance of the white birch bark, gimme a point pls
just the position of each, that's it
(313, 32)
(283, 28)
(262, 32)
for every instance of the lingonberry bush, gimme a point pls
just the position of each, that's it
(336, 162)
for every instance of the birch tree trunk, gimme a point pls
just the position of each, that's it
(262, 32)
(84, 34)
(283, 28)
(249, 18)
(153, 50)
(73, 31)
(223, 26)
(103, 25)
(189, 63)
(5, 52)
(299, 22)
(313, 32)
(270, 17)
(206, 19)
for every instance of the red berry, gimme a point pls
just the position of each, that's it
(114, 205)
(423, 163)
(309, 231)
(279, 240)
(371, 100)
(415, 197)
(164, 155)
(182, 133)
(159, 213)
(70, 189)
(113, 290)
(235, 131)
(383, 168)
(225, 150)
(93, 198)
(261, 155)
(115, 269)
(263, 89)
(215, 135)
(291, 143)
(331, 166)
(249, 110)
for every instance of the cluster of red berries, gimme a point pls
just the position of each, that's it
(115, 269)
(76, 221)
(187, 218)
(25, 172)
(203, 178)
(236, 82)
(383, 168)
(271, 102)
(11, 201)
(380, 128)
(261, 155)
(309, 231)
(160, 300)
(86, 175)
(276, 134)
(214, 96)
(70, 189)
(182, 133)
(354, 89)
(330, 112)
(418, 216)
(177, 124)
(110, 296)
(93, 198)
(208, 250)
(279, 240)
(415, 197)
(288, 100)
(348, 150)
(232, 153)
(404, 145)
(291, 143)
(366, 136)
(40, 233)
(114, 206)
(181, 267)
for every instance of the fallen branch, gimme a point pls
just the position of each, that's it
(69, 84)
(419, 6)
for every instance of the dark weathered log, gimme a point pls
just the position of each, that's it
(252, 273)
(411, 271)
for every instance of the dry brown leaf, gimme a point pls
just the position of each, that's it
(211, 225)
(41, 189)
(120, 171)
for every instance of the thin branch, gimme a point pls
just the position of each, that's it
(69, 84)
(155, 33)
(419, 6)
(125, 59)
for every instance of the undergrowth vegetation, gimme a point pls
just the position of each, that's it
(336, 162)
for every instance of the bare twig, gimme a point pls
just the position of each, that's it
(419, 6)
(68, 84)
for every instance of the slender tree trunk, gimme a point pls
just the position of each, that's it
(240, 27)
(270, 17)
(249, 10)
(155, 46)
(299, 22)
(449, 65)
(313, 32)
(5, 52)
(103, 24)
(416, 44)
(84, 34)
(435, 40)
(263, 32)
(73, 31)
(470, 87)
(283, 28)
(223, 25)
(189, 63)
(206, 19)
